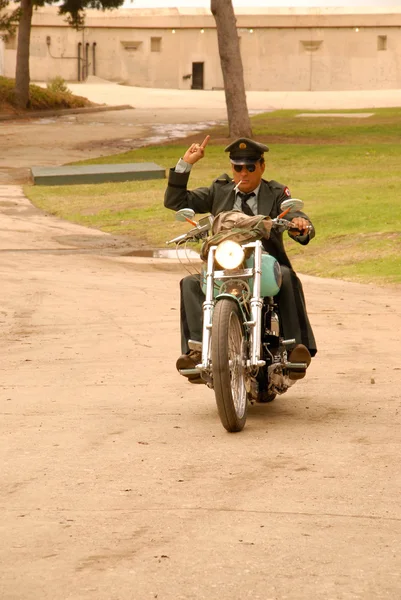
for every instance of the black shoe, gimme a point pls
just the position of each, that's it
(299, 354)
(189, 361)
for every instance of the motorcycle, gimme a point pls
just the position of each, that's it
(244, 356)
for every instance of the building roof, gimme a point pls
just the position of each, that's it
(254, 17)
(273, 10)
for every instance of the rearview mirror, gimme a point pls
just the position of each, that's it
(291, 204)
(184, 214)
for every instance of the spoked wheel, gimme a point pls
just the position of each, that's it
(228, 365)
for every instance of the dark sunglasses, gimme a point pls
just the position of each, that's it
(250, 168)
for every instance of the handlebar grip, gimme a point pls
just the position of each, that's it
(301, 231)
(194, 234)
(177, 239)
(284, 224)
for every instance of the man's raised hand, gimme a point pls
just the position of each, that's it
(196, 151)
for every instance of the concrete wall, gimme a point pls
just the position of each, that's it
(322, 59)
(281, 49)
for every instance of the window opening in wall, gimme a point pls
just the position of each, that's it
(382, 42)
(311, 46)
(131, 46)
(155, 44)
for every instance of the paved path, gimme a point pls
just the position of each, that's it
(99, 90)
(118, 481)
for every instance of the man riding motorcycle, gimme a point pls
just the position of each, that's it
(247, 191)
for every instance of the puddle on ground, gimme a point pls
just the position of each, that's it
(44, 121)
(165, 131)
(161, 253)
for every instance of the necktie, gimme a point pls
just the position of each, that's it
(244, 203)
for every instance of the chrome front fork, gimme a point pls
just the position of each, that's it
(208, 306)
(255, 324)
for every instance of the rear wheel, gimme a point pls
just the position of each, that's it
(266, 397)
(228, 365)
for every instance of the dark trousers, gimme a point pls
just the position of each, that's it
(291, 303)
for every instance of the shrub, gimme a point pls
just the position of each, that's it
(57, 84)
(40, 98)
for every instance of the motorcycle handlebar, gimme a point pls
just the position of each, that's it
(177, 239)
(287, 225)
(194, 234)
(200, 231)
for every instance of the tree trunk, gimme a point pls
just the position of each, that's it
(239, 123)
(22, 77)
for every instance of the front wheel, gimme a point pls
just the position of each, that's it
(266, 397)
(228, 365)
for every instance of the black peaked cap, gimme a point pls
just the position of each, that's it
(245, 150)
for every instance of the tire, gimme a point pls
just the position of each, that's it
(228, 365)
(266, 397)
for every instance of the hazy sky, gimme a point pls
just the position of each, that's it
(283, 3)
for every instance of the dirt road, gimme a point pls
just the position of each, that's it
(118, 481)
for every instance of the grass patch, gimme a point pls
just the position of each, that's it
(346, 170)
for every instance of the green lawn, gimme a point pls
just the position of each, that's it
(347, 171)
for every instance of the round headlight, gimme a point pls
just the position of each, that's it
(229, 254)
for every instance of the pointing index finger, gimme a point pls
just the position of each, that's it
(205, 141)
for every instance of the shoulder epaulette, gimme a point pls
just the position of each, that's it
(223, 179)
(276, 185)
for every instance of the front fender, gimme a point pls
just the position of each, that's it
(243, 314)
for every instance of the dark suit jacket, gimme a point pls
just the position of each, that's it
(220, 196)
